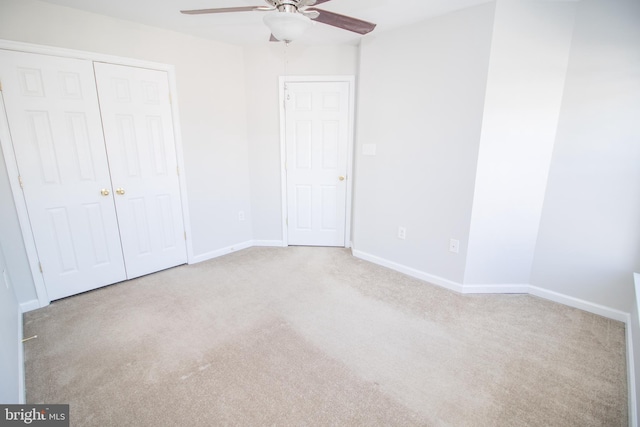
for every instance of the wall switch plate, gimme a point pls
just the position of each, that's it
(241, 216)
(369, 149)
(402, 233)
(454, 246)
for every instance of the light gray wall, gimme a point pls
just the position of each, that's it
(421, 97)
(11, 234)
(212, 102)
(588, 244)
(264, 65)
(10, 336)
(529, 57)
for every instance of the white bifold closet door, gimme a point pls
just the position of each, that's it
(103, 206)
(54, 121)
(138, 129)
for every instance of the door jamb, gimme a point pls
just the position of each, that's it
(350, 79)
(21, 207)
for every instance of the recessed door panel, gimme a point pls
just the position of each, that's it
(329, 216)
(304, 208)
(61, 230)
(98, 231)
(52, 110)
(81, 142)
(169, 235)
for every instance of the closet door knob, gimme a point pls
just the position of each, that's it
(120, 191)
(105, 192)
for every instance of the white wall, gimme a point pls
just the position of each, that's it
(529, 56)
(421, 96)
(11, 234)
(211, 90)
(589, 244)
(11, 385)
(264, 64)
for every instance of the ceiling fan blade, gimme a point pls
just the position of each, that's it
(220, 10)
(311, 14)
(344, 22)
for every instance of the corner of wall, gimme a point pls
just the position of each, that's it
(633, 355)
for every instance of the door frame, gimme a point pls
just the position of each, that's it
(351, 81)
(12, 166)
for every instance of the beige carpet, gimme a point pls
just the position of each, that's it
(315, 337)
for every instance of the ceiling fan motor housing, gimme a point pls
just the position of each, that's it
(287, 6)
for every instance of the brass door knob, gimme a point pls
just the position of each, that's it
(105, 192)
(120, 191)
(341, 178)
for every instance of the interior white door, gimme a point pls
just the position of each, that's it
(317, 141)
(52, 109)
(138, 127)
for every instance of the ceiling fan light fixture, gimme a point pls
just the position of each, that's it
(287, 26)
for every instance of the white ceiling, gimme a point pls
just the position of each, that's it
(247, 27)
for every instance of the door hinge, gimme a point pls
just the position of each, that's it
(40, 265)
(287, 98)
(287, 222)
(0, 85)
(178, 170)
(170, 99)
(20, 181)
(185, 235)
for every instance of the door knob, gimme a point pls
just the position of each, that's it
(341, 178)
(120, 191)
(105, 192)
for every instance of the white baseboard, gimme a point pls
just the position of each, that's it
(220, 252)
(436, 280)
(269, 243)
(234, 248)
(591, 307)
(496, 289)
(34, 304)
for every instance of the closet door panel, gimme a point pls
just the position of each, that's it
(138, 127)
(52, 110)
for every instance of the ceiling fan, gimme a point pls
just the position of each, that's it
(288, 19)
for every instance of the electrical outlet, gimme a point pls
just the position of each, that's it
(402, 233)
(241, 216)
(454, 246)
